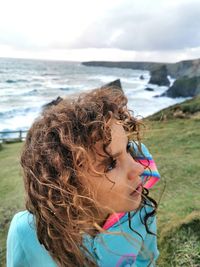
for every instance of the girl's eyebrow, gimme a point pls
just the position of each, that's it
(117, 154)
(114, 156)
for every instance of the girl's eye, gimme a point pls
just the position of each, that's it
(129, 147)
(111, 165)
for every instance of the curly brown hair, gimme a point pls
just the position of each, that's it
(53, 159)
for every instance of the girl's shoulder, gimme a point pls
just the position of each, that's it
(23, 221)
(23, 246)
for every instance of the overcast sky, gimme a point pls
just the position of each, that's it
(150, 30)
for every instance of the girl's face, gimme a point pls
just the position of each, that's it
(119, 190)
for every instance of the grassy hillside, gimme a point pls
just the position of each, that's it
(186, 110)
(11, 190)
(174, 136)
(175, 144)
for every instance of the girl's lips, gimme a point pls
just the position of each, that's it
(138, 190)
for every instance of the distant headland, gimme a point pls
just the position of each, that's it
(186, 73)
(189, 68)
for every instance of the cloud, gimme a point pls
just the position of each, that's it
(101, 29)
(164, 26)
(54, 24)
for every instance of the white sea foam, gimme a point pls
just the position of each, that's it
(26, 87)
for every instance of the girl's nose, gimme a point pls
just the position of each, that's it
(136, 169)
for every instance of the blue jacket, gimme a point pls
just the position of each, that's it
(109, 249)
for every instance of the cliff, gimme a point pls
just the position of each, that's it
(189, 68)
(184, 87)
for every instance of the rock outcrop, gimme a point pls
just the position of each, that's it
(149, 89)
(115, 83)
(52, 103)
(159, 76)
(184, 87)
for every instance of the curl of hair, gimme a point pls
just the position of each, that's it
(54, 156)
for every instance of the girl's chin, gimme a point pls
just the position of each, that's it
(132, 205)
(136, 203)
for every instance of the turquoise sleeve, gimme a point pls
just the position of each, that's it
(15, 253)
(23, 246)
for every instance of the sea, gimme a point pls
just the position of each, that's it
(27, 85)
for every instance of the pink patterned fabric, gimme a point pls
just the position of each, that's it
(112, 219)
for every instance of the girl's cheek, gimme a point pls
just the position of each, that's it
(112, 175)
(116, 173)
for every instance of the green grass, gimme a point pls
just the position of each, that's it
(181, 243)
(186, 109)
(175, 145)
(11, 190)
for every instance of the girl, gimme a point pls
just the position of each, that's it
(86, 188)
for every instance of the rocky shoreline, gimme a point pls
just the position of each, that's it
(186, 73)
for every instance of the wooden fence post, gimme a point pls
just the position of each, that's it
(20, 135)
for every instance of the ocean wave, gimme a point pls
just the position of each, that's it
(16, 81)
(103, 78)
(30, 93)
(17, 92)
(64, 88)
(18, 112)
(25, 88)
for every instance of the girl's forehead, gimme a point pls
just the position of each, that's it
(99, 157)
(118, 137)
(117, 130)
